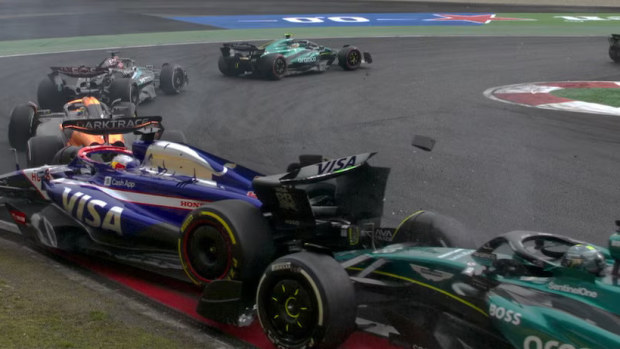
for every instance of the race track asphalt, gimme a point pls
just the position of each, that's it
(496, 167)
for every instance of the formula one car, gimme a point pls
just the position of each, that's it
(522, 289)
(614, 47)
(178, 210)
(288, 56)
(40, 133)
(114, 78)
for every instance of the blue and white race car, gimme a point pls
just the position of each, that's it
(181, 211)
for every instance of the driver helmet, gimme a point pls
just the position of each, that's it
(114, 62)
(584, 257)
(124, 162)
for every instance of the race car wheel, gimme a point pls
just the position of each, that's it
(306, 300)
(228, 239)
(426, 228)
(21, 126)
(226, 67)
(349, 58)
(614, 53)
(125, 90)
(272, 66)
(65, 155)
(42, 150)
(172, 78)
(49, 96)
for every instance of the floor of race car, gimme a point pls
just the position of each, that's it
(182, 298)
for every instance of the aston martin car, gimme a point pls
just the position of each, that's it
(522, 289)
(288, 56)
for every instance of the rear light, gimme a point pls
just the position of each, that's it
(252, 195)
(18, 216)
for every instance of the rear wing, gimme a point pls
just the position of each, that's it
(80, 71)
(614, 39)
(325, 170)
(241, 47)
(139, 125)
(358, 191)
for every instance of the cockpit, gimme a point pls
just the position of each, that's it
(108, 157)
(523, 253)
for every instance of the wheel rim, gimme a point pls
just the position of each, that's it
(208, 253)
(291, 310)
(177, 79)
(279, 66)
(354, 58)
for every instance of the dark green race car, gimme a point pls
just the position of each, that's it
(519, 290)
(287, 56)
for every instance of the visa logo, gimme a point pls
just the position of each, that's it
(335, 165)
(89, 210)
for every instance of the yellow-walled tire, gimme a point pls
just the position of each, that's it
(228, 239)
(306, 300)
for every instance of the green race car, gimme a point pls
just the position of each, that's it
(278, 58)
(519, 290)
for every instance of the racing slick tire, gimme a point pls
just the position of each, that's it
(175, 136)
(125, 90)
(65, 155)
(426, 228)
(349, 58)
(272, 66)
(226, 67)
(306, 300)
(614, 53)
(172, 78)
(228, 239)
(21, 126)
(42, 150)
(48, 95)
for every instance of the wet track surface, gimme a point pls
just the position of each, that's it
(496, 167)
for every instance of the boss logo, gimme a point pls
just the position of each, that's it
(506, 315)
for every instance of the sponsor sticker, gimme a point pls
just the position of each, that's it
(307, 59)
(18, 216)
(191, 204)
(504, 314)
(534, 342)
(337, 165)
(383, 234)
(90, 211)
(580, 291)
(281, 266)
